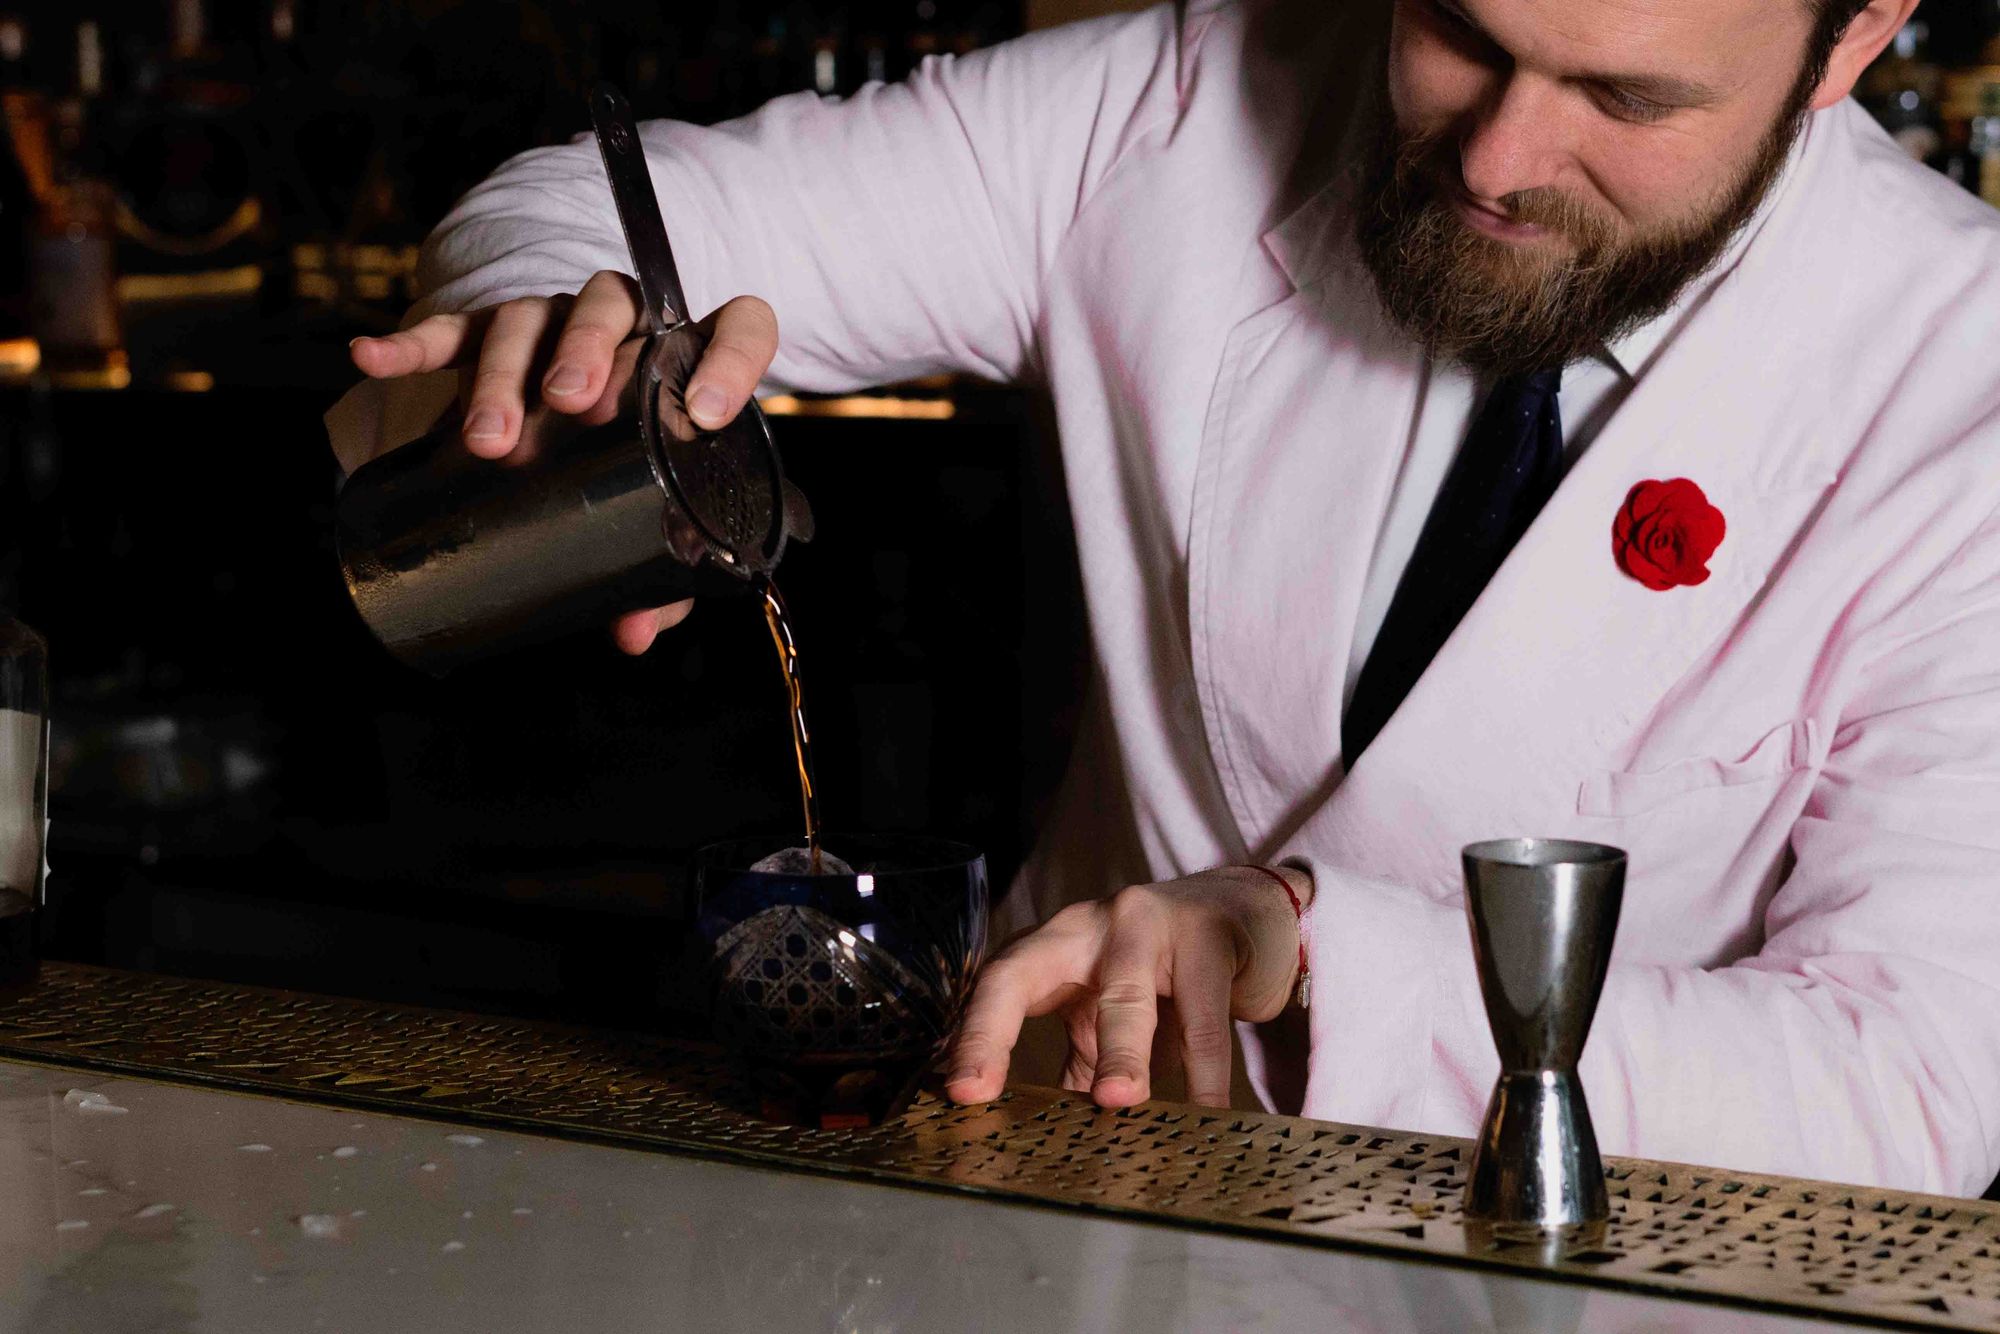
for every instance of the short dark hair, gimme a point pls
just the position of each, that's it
(1830, 20)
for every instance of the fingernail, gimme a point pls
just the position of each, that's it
(965, 1074)
(353, 342)
(567, 380)
(484, 425)
(1112, 1086)
(708, 402)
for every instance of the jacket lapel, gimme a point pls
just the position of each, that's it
(1300, 447)
(1563, 655)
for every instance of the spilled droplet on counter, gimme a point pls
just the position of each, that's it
(83, 1100)
(320, 1227)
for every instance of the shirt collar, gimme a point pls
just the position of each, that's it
(1630, 355)
(1636, 350)
(1633, 353)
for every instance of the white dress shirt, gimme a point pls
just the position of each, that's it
(1447, 401)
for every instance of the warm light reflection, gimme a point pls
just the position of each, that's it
(189, 382)
(243, 280)
(20, 356)
(116, 375)
(879, 407)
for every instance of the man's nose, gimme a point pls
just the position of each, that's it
(1516, 141)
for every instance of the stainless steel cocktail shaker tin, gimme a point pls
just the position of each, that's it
(449, 557)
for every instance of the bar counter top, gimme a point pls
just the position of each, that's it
(183, 1155)
(135, 1205)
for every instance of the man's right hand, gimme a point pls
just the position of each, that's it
(574, 350)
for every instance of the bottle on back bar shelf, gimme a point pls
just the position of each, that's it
(72, 260)
(1971, 155)
(179, 156)
(1901, 90)
(24, 767)
(19, 124)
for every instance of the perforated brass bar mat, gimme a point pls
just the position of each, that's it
(1770, 1242)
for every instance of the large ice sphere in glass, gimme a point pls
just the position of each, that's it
(838, 990)
(799, 861)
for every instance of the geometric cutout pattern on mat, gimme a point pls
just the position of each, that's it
(1917, 1261)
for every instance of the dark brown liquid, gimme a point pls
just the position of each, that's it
(838, 1092)
(788, 662)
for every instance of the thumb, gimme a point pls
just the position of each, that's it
(744, 339)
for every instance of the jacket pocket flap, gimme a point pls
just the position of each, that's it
(1788, 747)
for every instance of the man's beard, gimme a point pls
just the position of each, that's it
(1502, 309)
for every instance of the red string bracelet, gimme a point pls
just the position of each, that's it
(1303, 993)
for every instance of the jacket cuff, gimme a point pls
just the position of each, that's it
(1382, 956)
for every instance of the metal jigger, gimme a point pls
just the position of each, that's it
(1543, 914)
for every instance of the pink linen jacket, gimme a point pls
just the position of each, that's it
(1144, 218)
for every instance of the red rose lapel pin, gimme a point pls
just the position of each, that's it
(1665, 532)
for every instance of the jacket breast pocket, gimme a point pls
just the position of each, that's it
(1782, 751)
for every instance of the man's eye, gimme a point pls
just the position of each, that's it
(1462, 31)
(1625, 106)
(1451, 14)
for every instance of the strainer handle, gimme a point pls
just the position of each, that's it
(638, 208)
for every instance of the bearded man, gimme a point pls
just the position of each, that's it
(1480, 418)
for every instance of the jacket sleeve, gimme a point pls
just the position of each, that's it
(1861, 1043)
(901, 232)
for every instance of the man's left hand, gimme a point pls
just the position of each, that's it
(1222, 945)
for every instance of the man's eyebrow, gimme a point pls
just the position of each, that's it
(1662, 88)
(1666, 89)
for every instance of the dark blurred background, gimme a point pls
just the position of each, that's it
(200, 204)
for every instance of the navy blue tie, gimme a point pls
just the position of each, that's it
(1505, 472)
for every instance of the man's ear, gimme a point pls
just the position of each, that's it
(1872, 29)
